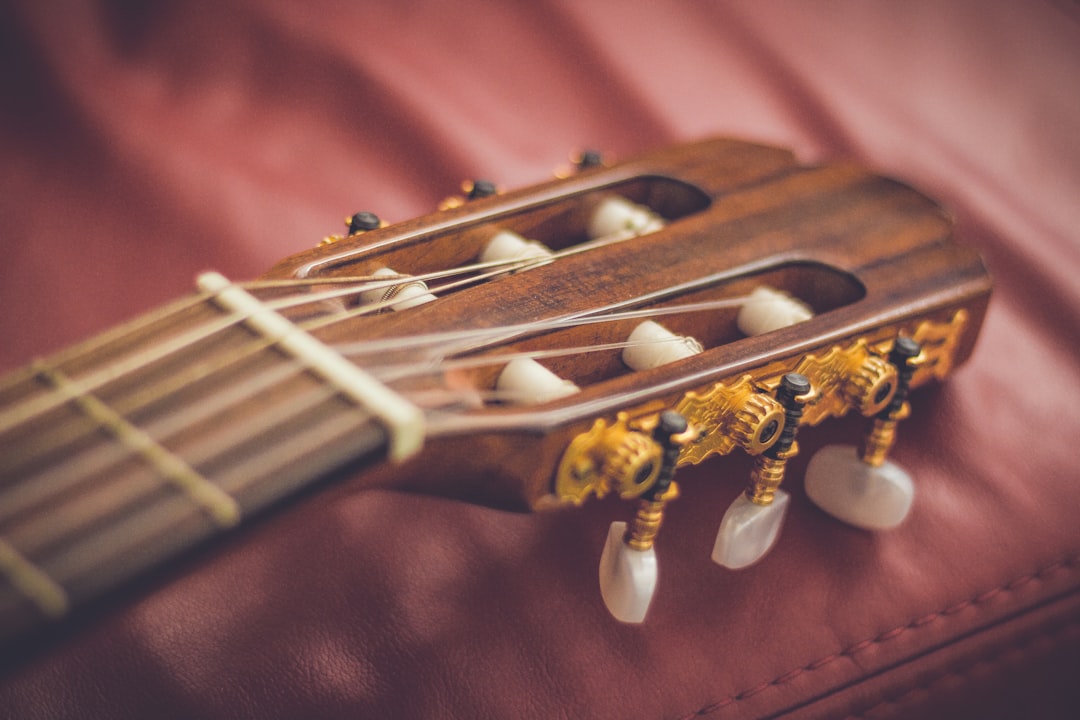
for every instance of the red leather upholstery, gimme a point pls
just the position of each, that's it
(140, 145)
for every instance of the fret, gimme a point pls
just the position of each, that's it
(220, 506)
(205, 421)
(117, 369)
(229, 363)
(126, 522)
(32, 582)
(137, 538)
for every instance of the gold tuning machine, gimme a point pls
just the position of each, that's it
(906, 356)
(792, 395)
(752, 523)
(870, 384)
(619, 458)
(755, 423)
(672, 431)
(628, 565)
(860, 486)
(730, 416)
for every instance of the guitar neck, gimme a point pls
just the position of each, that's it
(106, 470)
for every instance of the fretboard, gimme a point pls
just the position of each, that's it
(133, 447)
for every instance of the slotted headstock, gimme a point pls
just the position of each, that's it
(872, 258)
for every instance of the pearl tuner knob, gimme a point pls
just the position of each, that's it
(752, 523)
(628, 570)
(860, 486)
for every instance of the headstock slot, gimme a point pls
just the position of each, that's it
(559, 224)
(822, 287)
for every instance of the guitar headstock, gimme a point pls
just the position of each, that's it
(553, 326)
(529, 349)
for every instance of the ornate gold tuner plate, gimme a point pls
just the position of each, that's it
(623, 457)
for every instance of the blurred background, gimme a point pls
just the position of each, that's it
(142, 142)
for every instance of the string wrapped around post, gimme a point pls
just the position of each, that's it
(767, 309)
(506, 246)
(408, 293)
(651, 345)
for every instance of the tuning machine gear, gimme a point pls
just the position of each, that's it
(617, 458)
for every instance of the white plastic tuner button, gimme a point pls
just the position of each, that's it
(617, 217)
(651, 345)
(401, 296)
(506, 246)
(748, 531)
(527, 382)
(767, 309)
(627, 577)
(868, 497)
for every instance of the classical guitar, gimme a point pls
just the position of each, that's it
(539, 347)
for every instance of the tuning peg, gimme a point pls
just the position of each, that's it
(362, 222)
(588, 159)
(476, 189)
(628, 567)
(582, 160)
(752, 523)
(859, 485)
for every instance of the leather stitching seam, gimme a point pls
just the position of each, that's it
(1004, 656)
(1070, 563)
